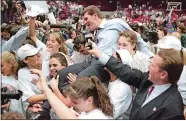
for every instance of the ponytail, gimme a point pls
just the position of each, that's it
(103, 100)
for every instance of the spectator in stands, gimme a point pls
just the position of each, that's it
(158, 93)
(182, 30)
(161, 32)
(89, 98)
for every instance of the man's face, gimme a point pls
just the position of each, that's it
(155, 73)
(89, 21)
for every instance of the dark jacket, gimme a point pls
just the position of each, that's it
(166, 106)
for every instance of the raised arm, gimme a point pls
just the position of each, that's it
(31, 30)
(62, 111)
(130, 76)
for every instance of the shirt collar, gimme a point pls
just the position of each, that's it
(163, 86)
(103, 22)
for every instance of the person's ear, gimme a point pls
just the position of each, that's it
(90, 100)
(25, 61)
(163, 75)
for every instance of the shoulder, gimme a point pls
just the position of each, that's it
(121, 87)
(23, 71)
(117, 22)
(95, 114)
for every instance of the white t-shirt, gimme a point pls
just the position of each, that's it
(182, 85)
(120, 95)
(12, 84)
(27, 84)
(94, 114)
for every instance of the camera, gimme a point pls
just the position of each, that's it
(152, 36)
(7, 95)
(82, 40)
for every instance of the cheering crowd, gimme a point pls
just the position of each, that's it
(90, 67)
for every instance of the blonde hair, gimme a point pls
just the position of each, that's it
(176, 34)
(60, 40)
(10, 57)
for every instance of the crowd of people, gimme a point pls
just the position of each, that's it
(90, 67)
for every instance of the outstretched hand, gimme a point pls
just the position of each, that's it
(95, 52)
(71, 78)
(54, 82)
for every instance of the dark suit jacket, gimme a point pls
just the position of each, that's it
(168, 105)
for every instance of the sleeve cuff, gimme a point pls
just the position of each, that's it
(104, 58)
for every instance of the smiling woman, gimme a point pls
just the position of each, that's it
(57, 62)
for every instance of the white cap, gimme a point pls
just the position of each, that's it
(125, 56)
(34, 10)
(27, 50)
(169, 42)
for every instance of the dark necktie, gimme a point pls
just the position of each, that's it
(150, 91)
(96, 35)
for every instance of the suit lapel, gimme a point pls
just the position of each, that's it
(153, 106)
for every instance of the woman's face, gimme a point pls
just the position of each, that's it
(6, 68)
(55, 66)
(124, 44)
(33, 61)
(160, 34)
(52, 45)
(80, 105)
(73, 34)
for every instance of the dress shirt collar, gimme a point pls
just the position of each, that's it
(164, 86)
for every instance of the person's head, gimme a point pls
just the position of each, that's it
(9, 64)
(171, 42)
(166, 67)
(88, 94)
(6, 32)
(29, 56)
(12, 116)
(78, 26)
(79, 44)
(55, 43)
(181, 28)
(57, 62)
(127, 40)
(161, 32)
(92, 17)
(176, 34)
(72, 34)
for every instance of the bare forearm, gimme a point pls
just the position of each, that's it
(36, 98)
(62, 111)
(31, 32)
(61, 97)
